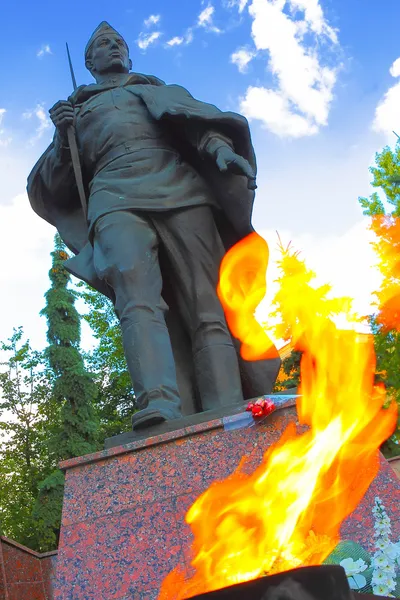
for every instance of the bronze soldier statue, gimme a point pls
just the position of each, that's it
(170, 185)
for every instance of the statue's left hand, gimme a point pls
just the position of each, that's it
(228, 160)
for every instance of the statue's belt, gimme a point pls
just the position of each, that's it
(130, 148)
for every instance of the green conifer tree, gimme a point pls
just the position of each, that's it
(74, 390)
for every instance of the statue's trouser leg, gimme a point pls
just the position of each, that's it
(194, 250)
(126, 256)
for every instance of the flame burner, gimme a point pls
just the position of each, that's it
(325, 582)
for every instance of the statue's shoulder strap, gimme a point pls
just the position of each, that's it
(143, 78)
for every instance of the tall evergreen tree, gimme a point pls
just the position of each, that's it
(74, 390)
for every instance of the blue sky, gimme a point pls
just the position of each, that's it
(317, 79)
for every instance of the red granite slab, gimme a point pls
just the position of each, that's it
(119, 554)
(25, 574)
(148, 473)
(25, 591)
(3, 590)
(20, 566)
(3, 593)
(123, 516)
(48, 563)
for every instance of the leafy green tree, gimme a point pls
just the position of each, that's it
(383, 207)
(27, 416)
(74, 391)
(387, 350)
(291, 372)
(116, 399)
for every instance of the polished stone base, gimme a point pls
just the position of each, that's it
(189, 420)
(24, 573)
(123, 526)
(168, 426)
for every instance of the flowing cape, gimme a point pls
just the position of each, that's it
(188, 121)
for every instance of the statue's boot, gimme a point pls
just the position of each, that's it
(147, 418)
(218, 376)
(158, 411)
(152, 369)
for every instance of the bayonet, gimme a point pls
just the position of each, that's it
(73, 146)
(71, 68)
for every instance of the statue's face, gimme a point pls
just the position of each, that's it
(108, 54)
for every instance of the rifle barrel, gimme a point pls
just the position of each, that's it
(71, 68)
(73, 146)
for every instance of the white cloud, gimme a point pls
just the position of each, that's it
(241, 4)
(27, 241)
(5, 140)
(44, 122)
(189, 36)
(147, 39)
(152, 20)
(241, 58)
(314, 17)
(387, 114)
(276, 113)
(301, 98)
(45, 49)
(205, 19)
(175, 41)
(179, 40)
(395, 68)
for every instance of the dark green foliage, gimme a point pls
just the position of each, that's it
(289, 375)
(291, 368)
(387, 350)
(74, 388)
(52, 408)
(74, 391)
(28, 416)
(116, 400)
(47, 510)
(386, 177)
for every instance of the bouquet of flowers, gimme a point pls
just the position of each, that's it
(261, 407)
(378, 573)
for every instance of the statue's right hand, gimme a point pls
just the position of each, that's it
(62, 114)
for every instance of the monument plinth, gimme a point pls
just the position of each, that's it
(24, 573)
(123, 526)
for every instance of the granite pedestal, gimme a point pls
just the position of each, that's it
(123, 524)
(24, 573)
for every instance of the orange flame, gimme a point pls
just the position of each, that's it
(288, 512)
(387, 229)
(242, 286)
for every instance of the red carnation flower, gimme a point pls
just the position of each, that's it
(261, 407)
